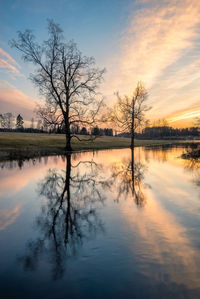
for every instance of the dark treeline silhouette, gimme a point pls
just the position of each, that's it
(168, 132)
(164, 132)
(24, 130)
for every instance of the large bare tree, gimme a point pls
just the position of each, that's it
(66, 78)
(129, 112)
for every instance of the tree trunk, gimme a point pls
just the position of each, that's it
(132, 139)
(133, 125)
(68, 142)
(132, 171)
(68, 133)
(67, 186)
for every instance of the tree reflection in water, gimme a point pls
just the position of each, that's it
(192, 162)
(130, 175)
(69, 214)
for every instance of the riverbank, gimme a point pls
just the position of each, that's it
(14, 146)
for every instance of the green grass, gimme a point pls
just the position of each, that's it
(27, 145)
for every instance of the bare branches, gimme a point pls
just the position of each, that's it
(52, 118)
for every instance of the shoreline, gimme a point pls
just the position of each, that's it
(22, 146)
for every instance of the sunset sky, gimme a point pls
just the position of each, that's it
(154, 41)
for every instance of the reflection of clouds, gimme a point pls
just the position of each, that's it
(13, 181)
(7, 217)
(128, 177)
(172, 182)
(69, 214)
(164, 243)
(160, 243)
(192, 162)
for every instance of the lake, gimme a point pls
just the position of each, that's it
(101, 225)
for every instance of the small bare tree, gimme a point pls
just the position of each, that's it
(7, 120)
(197, 122)
(66, 78)
(129, 112)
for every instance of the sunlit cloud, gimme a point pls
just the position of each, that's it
(15, 101)
(8, 57)
(6, 84)
(159, 48)
(8, 64)
(185, 115)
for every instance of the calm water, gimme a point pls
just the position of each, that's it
(95, 225)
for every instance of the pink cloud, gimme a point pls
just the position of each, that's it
(15, 101)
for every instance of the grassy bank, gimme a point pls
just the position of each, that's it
(29, 145)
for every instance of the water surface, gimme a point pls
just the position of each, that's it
(101, 225)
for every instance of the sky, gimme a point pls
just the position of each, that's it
(153, 41)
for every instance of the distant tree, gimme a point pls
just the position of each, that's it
(129, 112)
(1, 121)
(7, 120)
(32, 123)
(108, 132)
(19, 122)
(83, 131)
(96, 131)
(64, 76)
(197, 122)
(39, 124)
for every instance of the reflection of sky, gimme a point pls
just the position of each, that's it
(162, 236)
(153, 41)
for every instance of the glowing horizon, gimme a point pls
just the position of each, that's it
(140, 40)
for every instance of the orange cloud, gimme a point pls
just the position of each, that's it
(186, 115)
(159, 48)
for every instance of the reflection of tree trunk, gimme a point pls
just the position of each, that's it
(68, 141)
(133, 125)
(67, 186)
(135, 192)
(132, 171)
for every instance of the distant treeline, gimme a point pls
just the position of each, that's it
(74, 130)
(84, 131)
(165, 132)
(24, 130)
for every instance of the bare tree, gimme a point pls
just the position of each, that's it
(7, 120)
(32, 123)
(64, 76)
(129, 112)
